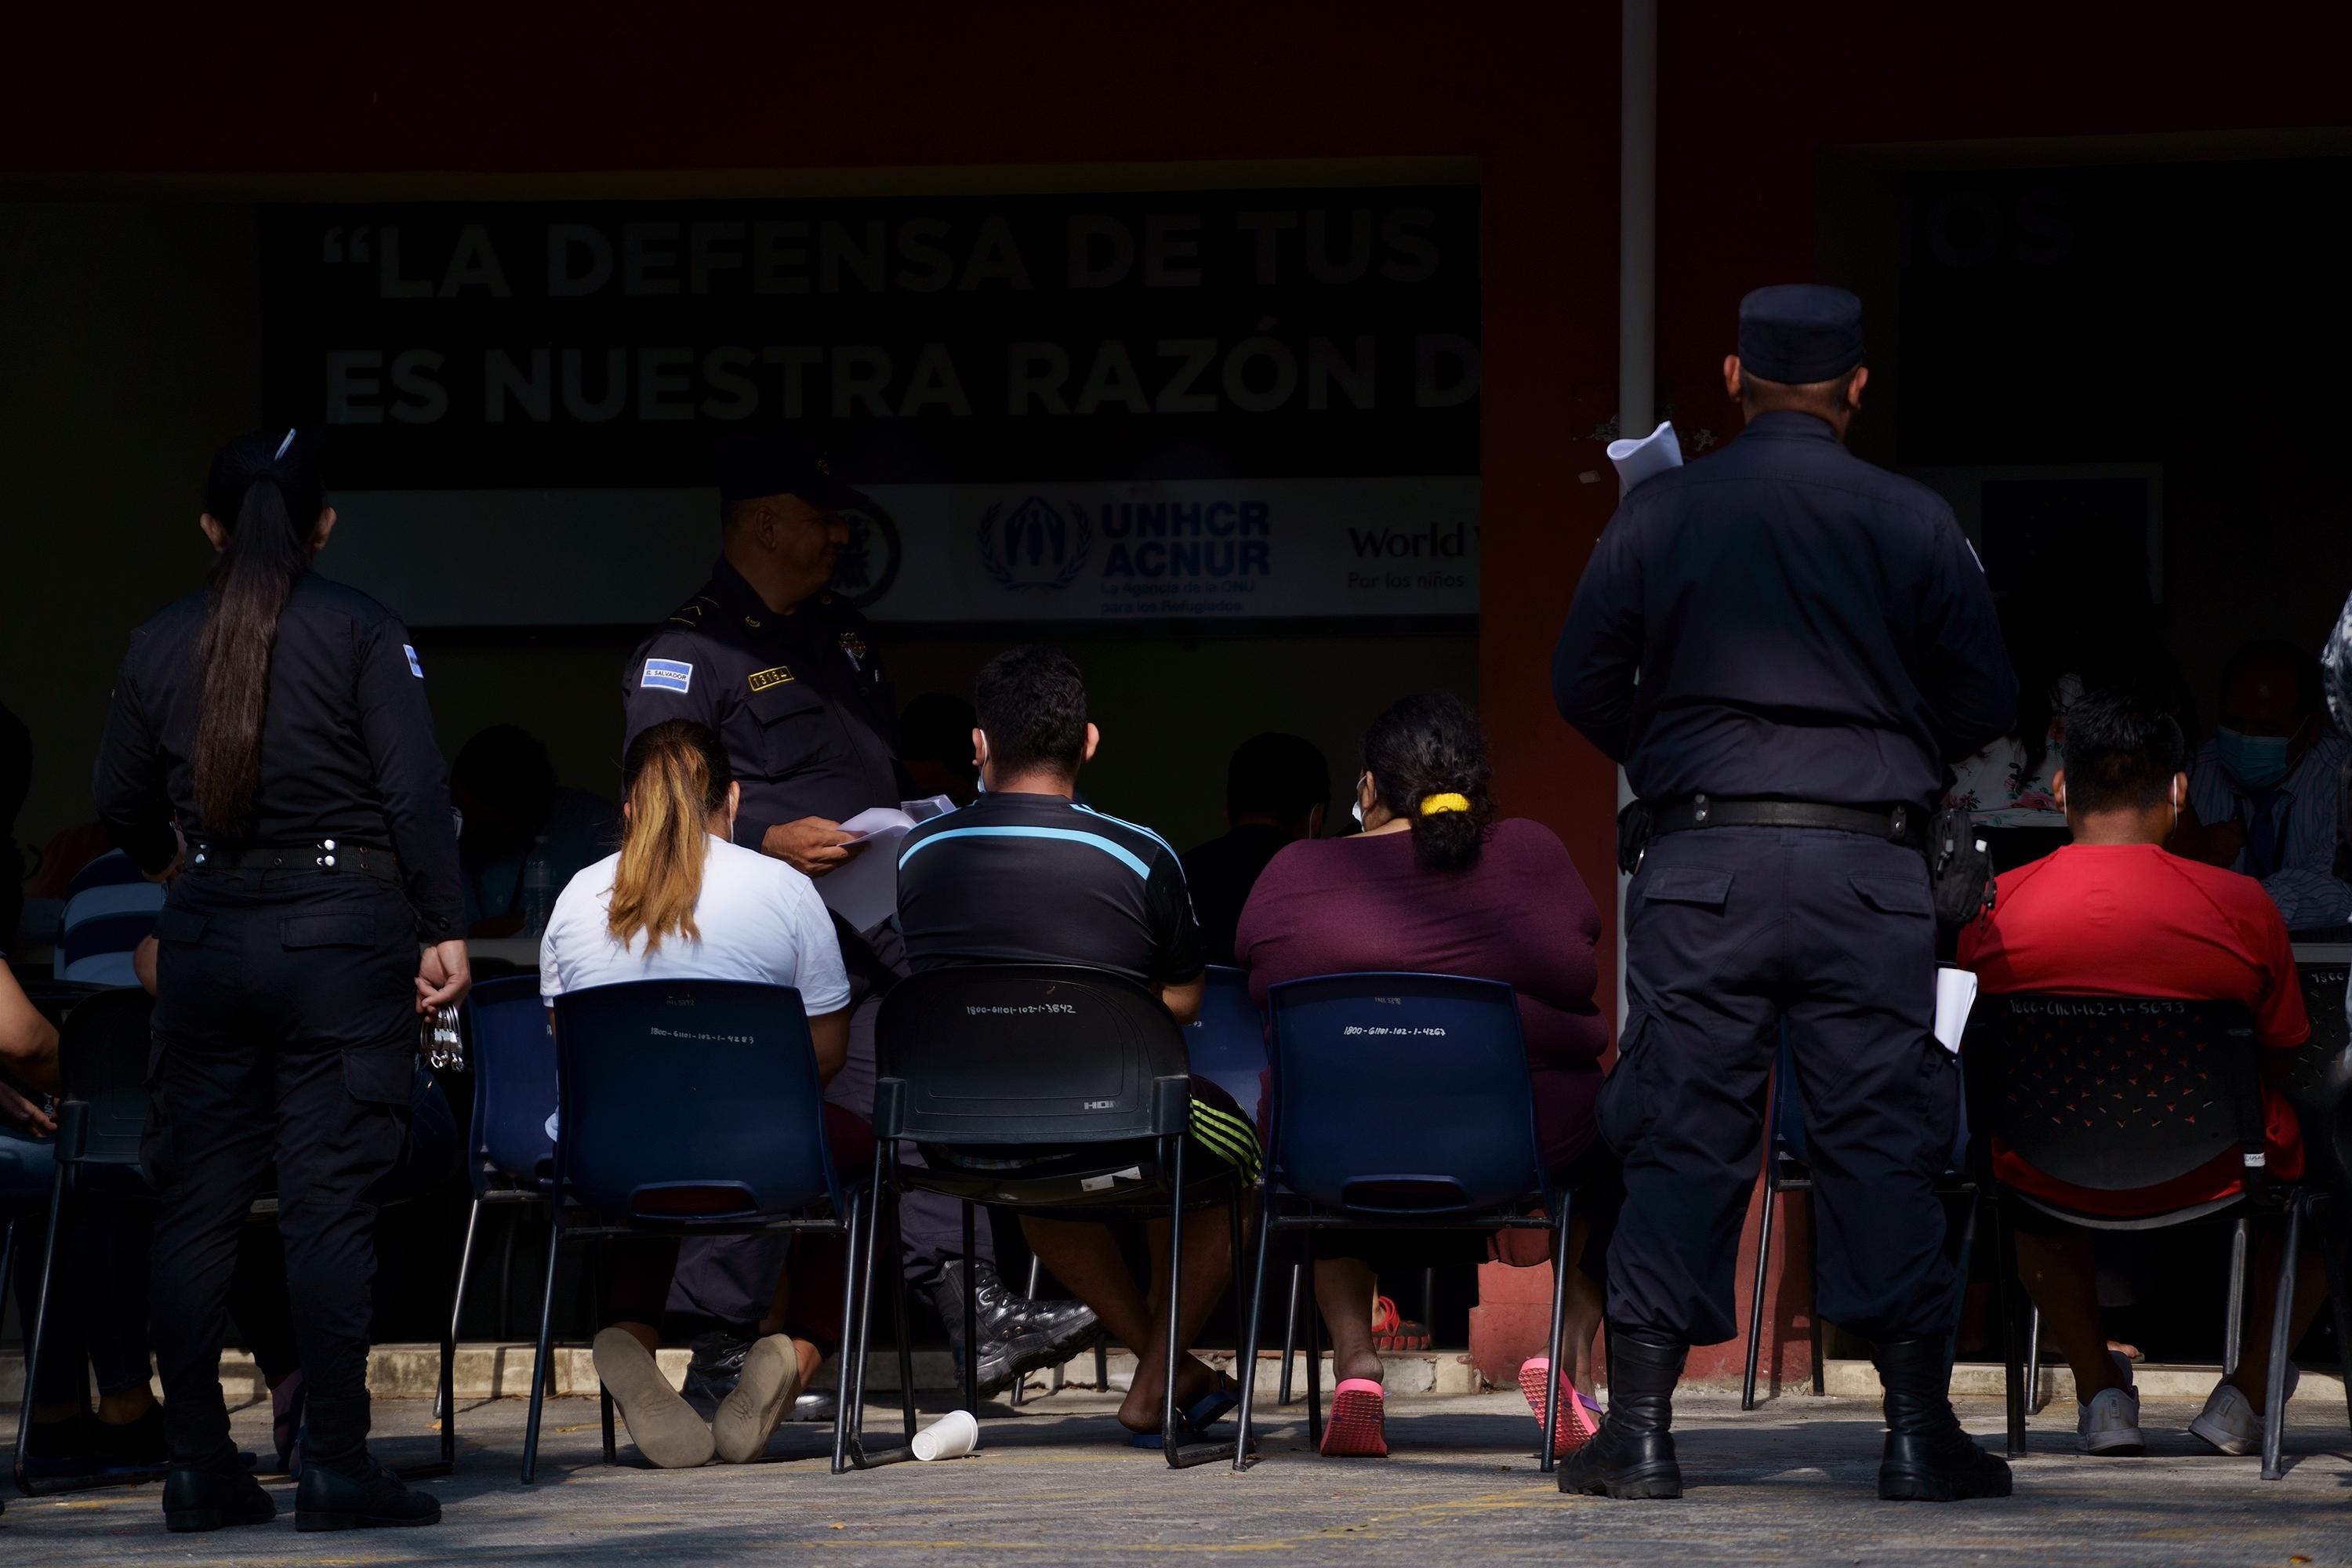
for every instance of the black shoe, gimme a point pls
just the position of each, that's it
(1928, 1458)
(328, 1500)
(134, 1445)
(209, 1497)
(716, 1367)
(1016, 1335)
(1633, 1455)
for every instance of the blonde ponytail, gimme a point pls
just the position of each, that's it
(677, 776)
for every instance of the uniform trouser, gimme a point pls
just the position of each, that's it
(1728, 931)
(731, 1280)
(285, 1035)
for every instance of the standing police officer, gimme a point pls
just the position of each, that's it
(277, 725)
(1814, 643)
(787, 675)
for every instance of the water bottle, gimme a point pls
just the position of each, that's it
(538, 888)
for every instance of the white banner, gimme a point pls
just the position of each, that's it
(1093, 551)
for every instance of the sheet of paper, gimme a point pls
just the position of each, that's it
(876, 820)
(1956, 993)
(928, 807)
(1646, 458)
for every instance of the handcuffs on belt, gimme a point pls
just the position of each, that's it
(438, 1039)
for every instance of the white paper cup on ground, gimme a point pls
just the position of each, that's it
(952, 1437)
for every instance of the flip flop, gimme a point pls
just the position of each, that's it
(1580, 1418)
(1393, 1332)
(1193, 1421)
(1357, 1427)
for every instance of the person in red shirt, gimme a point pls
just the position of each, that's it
(2115, 914)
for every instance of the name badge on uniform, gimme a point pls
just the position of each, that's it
(667, 675)
(763, 679)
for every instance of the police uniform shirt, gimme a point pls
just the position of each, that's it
(1037, 879)
(1805, 627)
(348, 748)
(798, 700)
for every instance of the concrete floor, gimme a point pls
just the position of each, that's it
(1788, 1484)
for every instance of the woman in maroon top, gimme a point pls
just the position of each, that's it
(1435, 884)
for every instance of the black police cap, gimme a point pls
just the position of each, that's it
(752, 464)
(1800, 333)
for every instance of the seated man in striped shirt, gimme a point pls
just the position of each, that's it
(1027, 875)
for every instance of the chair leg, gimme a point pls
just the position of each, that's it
(1429, 1303)
(504, 1327)
(1813, 1274)
(971, 1310)
(849, 1345)
(539, 1363)
(1755, 1291)
(1544, 1461)
(1312, 1319)
(898, 1294)
(1250, 1320)
(2282, 1326)
(2335, 1250)
(2033, 1399)
(859, 1332)
(449, 1338)
(1170, 1435)
(1289, 1339)
(2007, 1290)
(600, 1266)
(38, 1339)
(2233, 1328)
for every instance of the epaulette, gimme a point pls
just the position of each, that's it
(691, 616)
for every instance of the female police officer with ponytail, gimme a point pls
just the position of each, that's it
(269, 752)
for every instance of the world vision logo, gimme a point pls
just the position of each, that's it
(1036, 546)
(763, 679)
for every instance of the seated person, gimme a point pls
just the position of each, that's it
(506, 795)
(682, 901)
(2264, 794)
(1277, 788)
(2113, 914)
(1025, 875)
(1435, 884)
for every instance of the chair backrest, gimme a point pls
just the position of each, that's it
(1026, 1054)
(1402, 1094)
(1226, 1044)
(513, 1060)
(102, 1053)
(2116, 1093)
(2320, 1080)
(110, 870)
(689, 1099)
(107, 920)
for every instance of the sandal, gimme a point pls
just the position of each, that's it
(1393, 1332)
(1580, 1418)
(1358, 1426)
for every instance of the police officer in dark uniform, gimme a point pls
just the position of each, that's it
(270, 752)
(790, 678)
(1814, 644)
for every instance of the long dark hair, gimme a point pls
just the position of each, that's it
(1423, 748)
(265, 490)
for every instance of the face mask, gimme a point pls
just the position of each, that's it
(1356, 806)
(2254, 762)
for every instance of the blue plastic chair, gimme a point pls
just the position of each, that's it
(1400, 1101)
(509, 1158)
(678, 1094)
(1226, 1044)
(101, 926)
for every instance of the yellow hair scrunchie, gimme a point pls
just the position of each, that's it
(1431, 805)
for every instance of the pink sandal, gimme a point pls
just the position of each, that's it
(1580, 1418)
(1357, 1427)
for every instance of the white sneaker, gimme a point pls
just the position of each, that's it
(2109, 1424)
(2228, 1423)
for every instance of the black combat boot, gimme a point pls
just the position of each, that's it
(1928, 1458)
(1633, 1455)
(213, 1497)
(352, 1500)
(1016, 1334)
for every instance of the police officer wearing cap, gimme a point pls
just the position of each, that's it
(269, 750)
(788, 675)
(1785, 648)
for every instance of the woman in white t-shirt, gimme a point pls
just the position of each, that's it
(682, 901)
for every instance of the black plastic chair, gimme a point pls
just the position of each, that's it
(2122, 1093)
(1036, 1087)
(1366, 1135)
(679, 1095)
(509, 1158)
(1788, 1168)
(103, 1056)
(2319, 1082)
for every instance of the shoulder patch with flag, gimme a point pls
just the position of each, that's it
(667, 675)
(414, 668)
